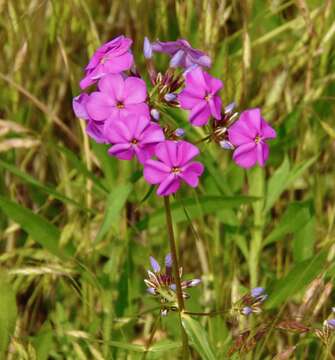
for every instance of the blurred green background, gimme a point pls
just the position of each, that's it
(75, 233)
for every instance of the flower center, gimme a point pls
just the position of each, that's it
(208, 97)
(257, 139)
(134, 141)
(175, 170)
(120, 105)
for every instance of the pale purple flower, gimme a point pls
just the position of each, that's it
(247, 310)
(249, 134)
(111, 58)
(182, 54)
(118, 98)
(200, 95)
(161, 283)
(133, 136)
(257, 291)
(330, 324)
(174, 165)
(147, 48)
(155, 114)
(170, 97)
(179, 132)
(94, 129)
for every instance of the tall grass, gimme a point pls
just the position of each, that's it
(76, 234)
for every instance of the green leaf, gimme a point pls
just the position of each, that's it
(8, 313)
(115, 203)
(283, 177)
(30, 180)
(43, 232)
(198, 338)
(77, 164)
(195, 208)
(295, 217)
(299, 277)
(304, 240)
(277, 183)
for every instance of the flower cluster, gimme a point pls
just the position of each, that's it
(328, 329)
(131, 116)
(251, 303)
(161, 283)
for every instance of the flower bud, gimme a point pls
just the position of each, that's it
(155, 114)
(170, 97)
(147, 48)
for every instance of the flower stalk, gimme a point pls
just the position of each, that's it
(175, 267)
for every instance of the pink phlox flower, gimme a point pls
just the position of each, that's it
(94, 129)
(173, 166)
(249, 134)
(200, 95)
(133, 136)
(118, 98)
(111, 58)
(182, 54)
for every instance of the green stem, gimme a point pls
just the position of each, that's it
(256, 189)
(175, 267)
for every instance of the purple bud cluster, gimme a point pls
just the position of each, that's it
(161, 284)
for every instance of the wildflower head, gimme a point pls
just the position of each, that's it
(112, 57)
(161, 284)
(201, 97)
(250, 303)
(249, 134)
(182, 54)
(173, 166)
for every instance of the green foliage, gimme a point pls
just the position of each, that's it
(77, 226)
(8, 313)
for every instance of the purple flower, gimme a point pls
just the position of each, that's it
(200, 95)
(247, 310)
(173, 166)
(94, 129)
(117, 98)
(147, 48)
(155, 114)
(111, 58)
(330, 323)
(133, 136)
(257, 291)
(161, 283)
(249, 134)
(182, 54)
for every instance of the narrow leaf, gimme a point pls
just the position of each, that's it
(43, 232)
(198, 338)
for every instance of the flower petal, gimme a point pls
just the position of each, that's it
(215, 105)
(168, 186)
(246, 155)
(167, 152)
(186, 152)
(113, 86)
(262, 153)
(117, 64)
(99, 106)
(154, 264)
(191, 172)
(155, 171)
(135, 90)
(122, 151)
(79, 106)
(267, 131)
(141, 109)
(117, 132)
(200, 114)
(188, 100)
